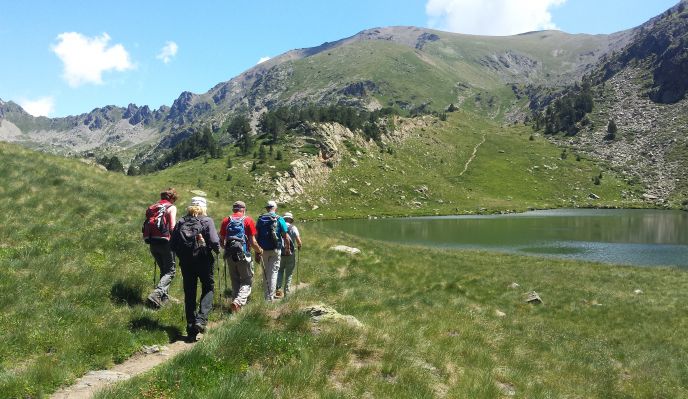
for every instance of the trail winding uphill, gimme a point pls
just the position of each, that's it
(475, 151)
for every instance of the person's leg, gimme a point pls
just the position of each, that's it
(206, 274)
(271, 261)
(165, 259)
(245, 271)
(234, 276)
(280, 276)
(287, 263)
(189, 283)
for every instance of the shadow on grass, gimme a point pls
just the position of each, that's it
(127, 292)
(148, 324)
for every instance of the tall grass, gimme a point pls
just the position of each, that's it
(74, 270)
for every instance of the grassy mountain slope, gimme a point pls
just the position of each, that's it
(417, 175)
(76, 273)
(404, 66)
(71, 256)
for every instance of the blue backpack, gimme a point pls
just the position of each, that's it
(236, 246)
(268, 231)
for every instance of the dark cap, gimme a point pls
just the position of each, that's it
(239, 204)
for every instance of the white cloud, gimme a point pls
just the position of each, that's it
(168, 52)
(491, 17)
(43, 106)
(262, 60)
(86, 58)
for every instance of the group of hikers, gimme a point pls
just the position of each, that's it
(273, 238)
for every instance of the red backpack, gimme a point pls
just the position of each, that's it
(156, 225)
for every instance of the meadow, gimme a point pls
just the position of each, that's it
(443, 324)
(75, 273)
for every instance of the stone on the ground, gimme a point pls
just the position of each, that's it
(638, 291)
(533, 298)
(345, 249)
(593, 196)
(93, 377)
(506, 388)
(514, 285)
(322, 312)
(499, 313)
(152, 349)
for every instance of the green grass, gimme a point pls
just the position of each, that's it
(509, 172)
(75, 273)
(72, 258)
(431, 329)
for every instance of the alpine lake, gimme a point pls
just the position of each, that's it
(627, 237)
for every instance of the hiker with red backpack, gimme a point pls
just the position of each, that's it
(193, 239)
(272, 237)
(157, 230)
(237, 235)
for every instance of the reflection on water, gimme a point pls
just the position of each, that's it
(639, 237)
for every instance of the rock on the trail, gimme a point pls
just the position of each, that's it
(322, 312)
(102, 375)
(345, 249)
(533, 298)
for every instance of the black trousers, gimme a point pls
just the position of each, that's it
(195, 270)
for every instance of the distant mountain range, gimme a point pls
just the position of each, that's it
(413, 69)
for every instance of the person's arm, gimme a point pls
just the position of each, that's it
(172, 212)
(254, 244)
(214, 239)
(223, 232)
(298, 236)
(284, 232)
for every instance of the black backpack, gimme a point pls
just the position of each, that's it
(184, 242)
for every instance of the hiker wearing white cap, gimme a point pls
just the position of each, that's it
(193, 239)
(237, 236)
(272, 236)
(288, 262)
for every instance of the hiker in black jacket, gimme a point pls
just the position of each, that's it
(193, 240)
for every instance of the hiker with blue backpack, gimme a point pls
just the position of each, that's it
(157, 230)
(193, 239)
(288, 262)
(272, 236)
(237, 236)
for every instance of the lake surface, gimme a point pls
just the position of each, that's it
(632, 237)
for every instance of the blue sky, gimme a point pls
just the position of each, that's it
(67, 57)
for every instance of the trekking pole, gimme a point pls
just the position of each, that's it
(155, 266)
(219, 285)
(298, 279)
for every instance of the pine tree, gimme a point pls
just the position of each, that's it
(611, 130)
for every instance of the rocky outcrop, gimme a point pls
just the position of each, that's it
(661, 43)
(650, 136)
(333, 141)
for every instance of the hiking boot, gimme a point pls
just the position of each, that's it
(191, 337)
(200, 328)
(153, 301)
(279, 294)
(234, 307)
(191, 333)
